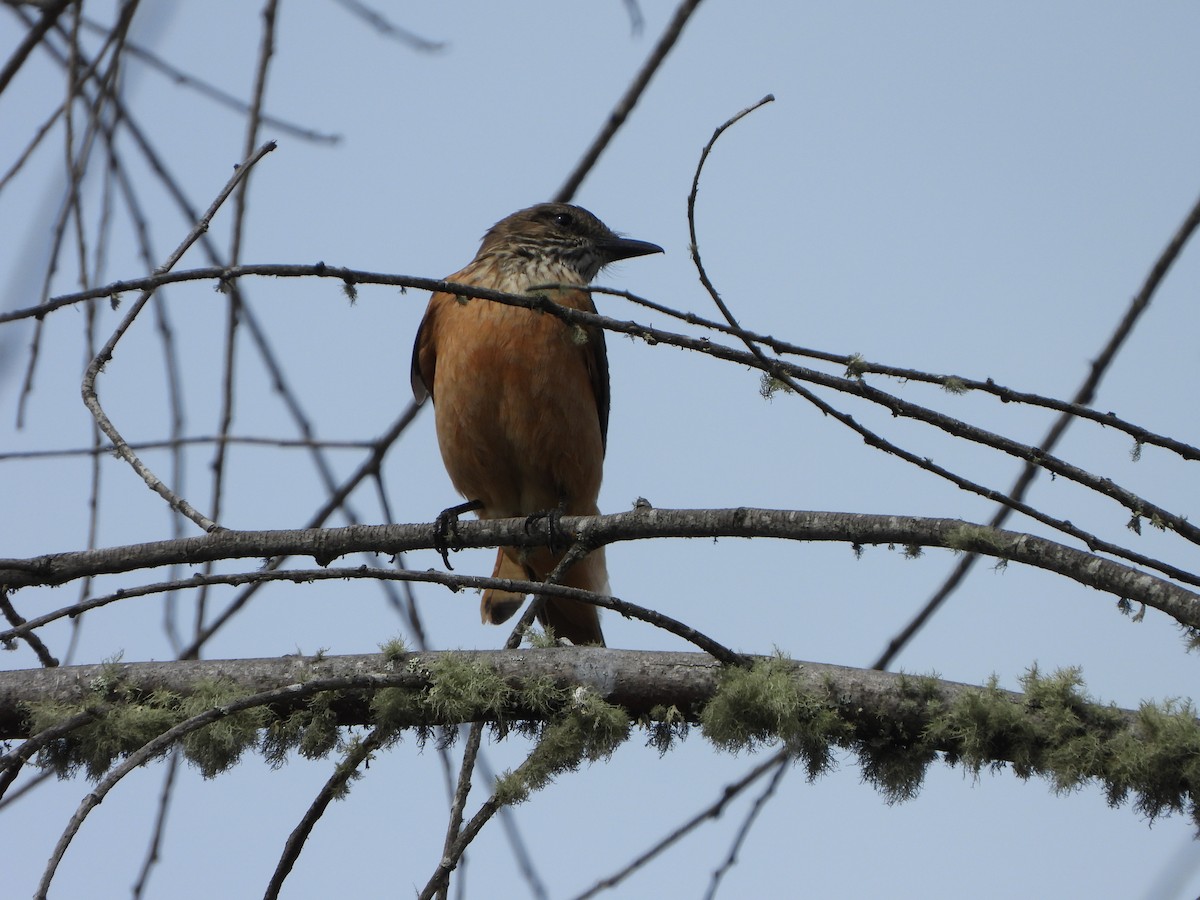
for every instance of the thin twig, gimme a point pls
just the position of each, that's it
(574, 553)
(233, 304)
(520, 850)
(452, 580)
(31, 146)
(11, 763)
(266, 51)
(712, 811)
(166, 792)
(23, 630)
(176, 443)
(153, 748)
(451, 857)
(212, 92)
(857, 366)
(332, 789)
(76, 168)
(760, 803)
(370, 465)
(1082, 397)
(90, 398)
(39, 779)
(173, 378)
(633, 93)
(459, 802)
(389, 29)
(33, 37)
(406, 609)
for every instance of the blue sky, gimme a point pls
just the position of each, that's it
(957, 188)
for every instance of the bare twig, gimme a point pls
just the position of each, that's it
(166, 792)
(77, 158)
(1083, 396)
(712, 811)
(333, 787)
(233, 304)
(633, 93)
(27, 786)
(146, 753)
(956, 383)
(175, 443)
(1033, 456)
(33, 37)
(462, 789)
(211, 91)
(389, 29)
(636, 20)
(783, 758)
(368, 467)
(516, 842)
(23, 630)
(12, 762)
(452, 580)
(437, 884)
(90, 398)
(34, 142)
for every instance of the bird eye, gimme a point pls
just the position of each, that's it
(563, 220)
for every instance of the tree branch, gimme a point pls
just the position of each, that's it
(896, 724)
(327, 544)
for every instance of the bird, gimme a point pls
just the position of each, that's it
(521, 398)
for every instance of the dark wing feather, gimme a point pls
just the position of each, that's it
(424, 358)
(596, 355)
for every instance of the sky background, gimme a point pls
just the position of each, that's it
(957, 188)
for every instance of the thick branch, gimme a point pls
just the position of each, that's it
(897, 725)
(637, 681)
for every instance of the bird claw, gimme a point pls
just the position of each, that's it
(445, 529)
(553, 517)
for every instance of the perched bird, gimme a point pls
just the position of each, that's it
(521, 398)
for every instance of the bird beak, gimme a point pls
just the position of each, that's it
(625, 248)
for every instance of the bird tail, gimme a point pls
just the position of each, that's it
(577, 622)
(498, 606)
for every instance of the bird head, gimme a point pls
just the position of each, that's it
(561, 235)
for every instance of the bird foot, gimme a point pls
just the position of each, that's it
(552, 517)
(445, 529)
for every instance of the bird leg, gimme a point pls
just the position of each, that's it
(445, 529)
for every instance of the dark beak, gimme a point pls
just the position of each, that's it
(616, 248)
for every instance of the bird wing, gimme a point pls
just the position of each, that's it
(424, 357)
(595, 358)
(597, 366)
